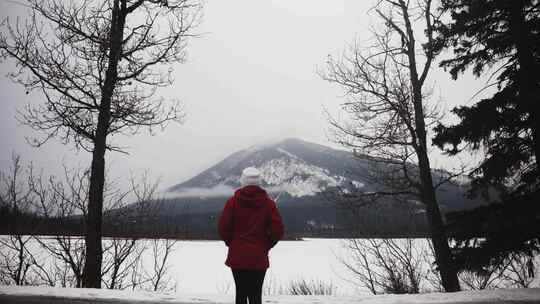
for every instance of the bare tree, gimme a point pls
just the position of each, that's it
(98, 64)
(152, 269)
(478, 281)
(159, 276)
(156, 277)
(63, 203)
(390, 112)
(387, 265)
(521, 270)
(28, 257)
(23, 263)
(16, 259)
(122, 259)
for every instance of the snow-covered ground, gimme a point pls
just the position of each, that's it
(43, 295)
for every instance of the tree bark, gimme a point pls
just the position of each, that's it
(94, 251)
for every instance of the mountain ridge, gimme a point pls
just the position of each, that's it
(300, 169)
(302, 177)
(292, 165)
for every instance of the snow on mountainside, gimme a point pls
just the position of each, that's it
(293, 166)
(297, 174)
(301, 170)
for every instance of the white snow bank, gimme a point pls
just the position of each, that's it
(17, 294)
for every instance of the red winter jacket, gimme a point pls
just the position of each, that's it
(250, 225)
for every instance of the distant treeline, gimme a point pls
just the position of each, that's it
(317, 220)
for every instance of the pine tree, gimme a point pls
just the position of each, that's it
(503, 36)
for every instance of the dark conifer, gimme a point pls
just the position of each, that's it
(501, 38)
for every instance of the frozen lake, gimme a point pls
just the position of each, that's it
(199, 265)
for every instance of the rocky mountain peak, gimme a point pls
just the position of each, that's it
(292, 165)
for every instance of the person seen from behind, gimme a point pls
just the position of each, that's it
(250, 225)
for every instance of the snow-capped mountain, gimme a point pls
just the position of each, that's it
(291, 166)
(297, 173)
(295, 169)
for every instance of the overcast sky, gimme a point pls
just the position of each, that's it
(250, 78)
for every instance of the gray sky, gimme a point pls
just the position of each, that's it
(250, 78)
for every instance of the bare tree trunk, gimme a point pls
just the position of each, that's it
(427, 190)
(94, 254)
(443, 256)
(94, 251)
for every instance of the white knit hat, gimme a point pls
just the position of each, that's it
(250, 176)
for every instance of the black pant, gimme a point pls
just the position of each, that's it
(248, 285)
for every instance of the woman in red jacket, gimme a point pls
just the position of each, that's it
(250, 225)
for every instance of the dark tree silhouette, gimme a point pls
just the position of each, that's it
(505, 34)
(501, 38)
(98, 65)
(390, 110)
